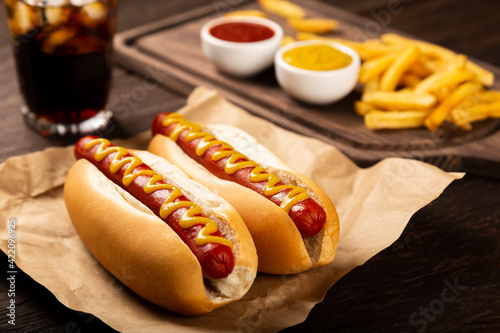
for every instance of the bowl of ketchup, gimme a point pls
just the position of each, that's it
(241, 45)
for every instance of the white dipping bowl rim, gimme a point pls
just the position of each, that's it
(278, 58)
(275, 27)
(350, 71)
(241, 59)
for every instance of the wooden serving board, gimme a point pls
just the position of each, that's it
(173, 46)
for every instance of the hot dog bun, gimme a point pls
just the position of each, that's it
(143, 252)
(280, 247)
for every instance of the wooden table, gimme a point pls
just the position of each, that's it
(443, 274)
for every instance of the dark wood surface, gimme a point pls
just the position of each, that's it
(450, 245)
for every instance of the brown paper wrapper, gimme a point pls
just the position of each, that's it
(374, 206)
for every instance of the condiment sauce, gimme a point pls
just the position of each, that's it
(190, 218)
(318, 57)
(242, 32)
(236, 161)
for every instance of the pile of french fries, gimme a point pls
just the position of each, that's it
(410, 84)
(407, 83)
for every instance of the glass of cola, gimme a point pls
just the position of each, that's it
(63, 52)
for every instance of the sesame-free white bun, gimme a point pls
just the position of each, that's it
(280, 247)
(143, 252)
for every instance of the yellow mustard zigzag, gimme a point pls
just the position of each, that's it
(187, 220)
(236, 160)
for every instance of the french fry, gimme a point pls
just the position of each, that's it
(439, 80)
(371, 85)
(406, 90)
(419, 68)
(248, 12)
(484, 76)
(434, 65)
(367, 53)
(485, 104)
(437, 65)
(282, 8)
(399, 100)
(287, 40)
(463, 116)
(466, 127)
(379, 45)
(444, 92)
(391, 77)
(373, 48)
(487, 96)
(428, 77)
(410, 80)
(374, 67)
(395, 119)
(363, 108)
(442, 65)
(460, 62)
(313, 25)
(468, 103)
(441, 112)
(431, 50)
(375, 45)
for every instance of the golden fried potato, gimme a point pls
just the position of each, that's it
(484, 76)
(287, 40)
(282, 8)
(392, 76)
(439, 80)
(399, 100)
(410, 83)
(363, 108)
(375, 67)
(463, 116)
(395, 119)
(313, 25)
(441, 112)
(431, 50)
(409, 80)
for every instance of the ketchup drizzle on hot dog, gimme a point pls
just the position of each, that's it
(224, 162)
(201, 235)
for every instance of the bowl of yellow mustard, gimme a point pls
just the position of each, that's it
(317, 72)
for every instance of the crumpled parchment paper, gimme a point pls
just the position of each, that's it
(374, 206)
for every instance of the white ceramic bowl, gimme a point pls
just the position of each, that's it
(241, 59)
(314, 86)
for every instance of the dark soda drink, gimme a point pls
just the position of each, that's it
(63, 56)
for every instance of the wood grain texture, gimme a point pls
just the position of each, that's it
(452, 243)
(435, 21)
(456, 236)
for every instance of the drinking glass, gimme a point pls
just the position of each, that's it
(63, 55)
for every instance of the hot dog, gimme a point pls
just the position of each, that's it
(268, 194)
(195, 256)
